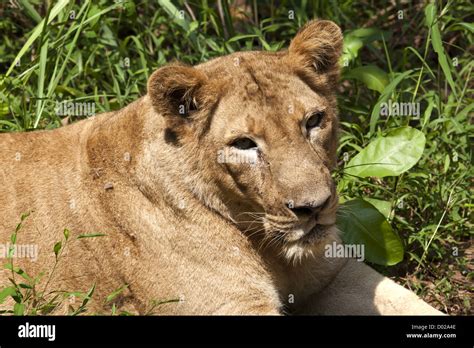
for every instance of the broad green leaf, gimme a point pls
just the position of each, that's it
(384, 207)
(372, 76)
(361, 223)
(387, 92)
(388, 155)
(436, 42)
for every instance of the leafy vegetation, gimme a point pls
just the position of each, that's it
(405, 176)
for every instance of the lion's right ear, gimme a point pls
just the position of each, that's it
(174, 90)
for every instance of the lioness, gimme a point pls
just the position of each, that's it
(214, 188)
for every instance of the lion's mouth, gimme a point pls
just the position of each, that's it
(311, 236)
(315, 233)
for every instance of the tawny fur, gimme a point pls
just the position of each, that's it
(179, 223)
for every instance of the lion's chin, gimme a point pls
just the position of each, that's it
(312, 244)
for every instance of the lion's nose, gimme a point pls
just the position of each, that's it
(308, 208)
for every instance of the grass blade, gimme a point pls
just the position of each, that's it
(430, 12)
(36, 33)
(374, 117)
(41, 78)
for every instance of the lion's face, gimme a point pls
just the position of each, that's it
(264, 128)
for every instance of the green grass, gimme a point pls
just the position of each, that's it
(104, 51)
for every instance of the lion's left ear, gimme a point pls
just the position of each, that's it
(318, 44)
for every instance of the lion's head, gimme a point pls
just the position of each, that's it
(258, 131)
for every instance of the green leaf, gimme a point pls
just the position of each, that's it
(18, 271)
(436, 42)
(88, 295)
(369, 34)
(464, 25)
(9, 291)
(193, 26)
(11, 252)
(241, 37)
(361, 223)
(384, 207)
(93, 235)
(356, 39)
(66, 233)
(429, 108)
(30, 10)
(25, 286)
(447, 162)
(19, 309)
(57, 248)
(22, 273)
(352, 45)
(388, 155)
(93, 10)
(24, 216)
(174, 13)
(117, 292)
(372, 76)
(463, 114)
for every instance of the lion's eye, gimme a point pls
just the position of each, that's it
(244, 144)
(314, 120)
